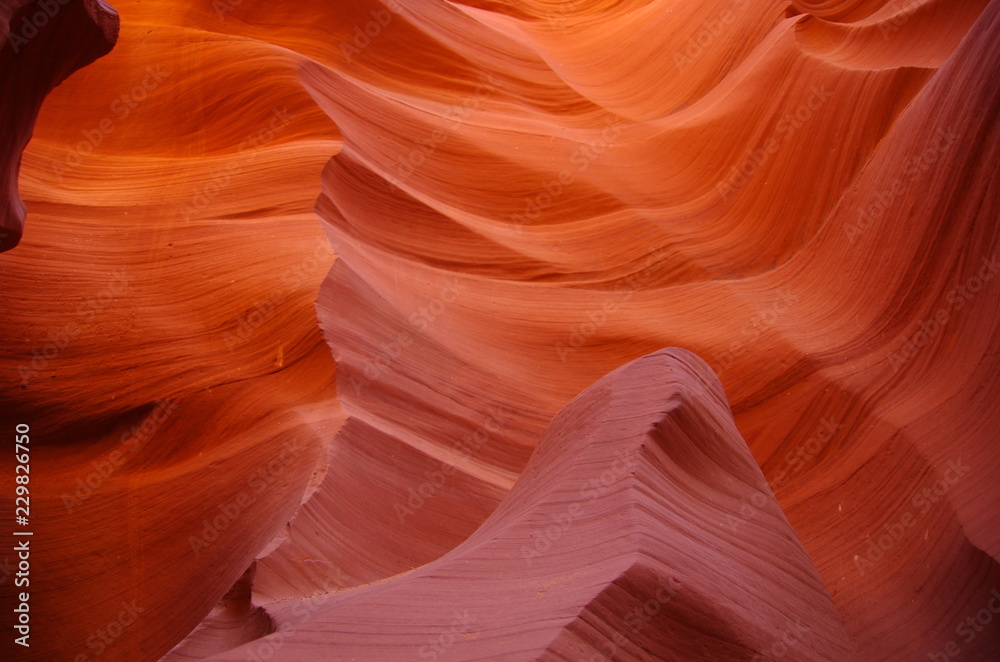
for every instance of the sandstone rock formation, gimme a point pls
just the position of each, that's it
(43, 43)
(652, 450)
(241, 431)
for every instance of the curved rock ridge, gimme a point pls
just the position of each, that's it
(160, 337)
(619, 541)
(233, 622)
(522, 196)
(573, 214)
(42, 44)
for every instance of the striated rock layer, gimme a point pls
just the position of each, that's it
(522, 196)
(808, 201)
(621, 540)
(43, 43)
(160, 339)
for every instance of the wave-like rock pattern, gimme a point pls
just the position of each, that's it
(653, 448)
(781, 198)
(178, 390)
(42, 44)
(522, 196)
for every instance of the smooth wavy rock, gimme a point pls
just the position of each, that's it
(43, 43)
(621, 540)
(160, 336)
(522, 196)
(776, 194)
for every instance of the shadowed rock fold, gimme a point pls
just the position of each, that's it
(301, 287)
(42, 44)
(623, 539)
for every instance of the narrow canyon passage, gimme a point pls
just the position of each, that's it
(291, 295)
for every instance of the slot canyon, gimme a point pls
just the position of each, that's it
(507, 330)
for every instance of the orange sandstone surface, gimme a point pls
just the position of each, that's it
(339, 328)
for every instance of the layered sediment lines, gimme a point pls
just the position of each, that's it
(159, 333)
(522, 197)
(652, 447)
(43, 43)
(776, 191)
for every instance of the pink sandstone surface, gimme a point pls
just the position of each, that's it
(319, 311)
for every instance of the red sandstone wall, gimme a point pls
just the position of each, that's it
(300, 290)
